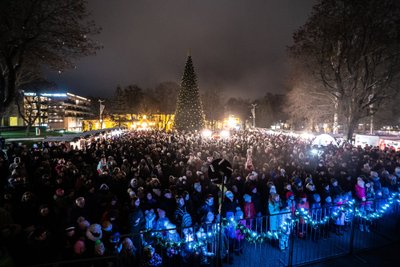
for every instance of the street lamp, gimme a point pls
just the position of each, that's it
(253, 113)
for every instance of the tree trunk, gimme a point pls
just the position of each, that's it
(351, 127)
(2, 99)
(28, 128)
(336, 118)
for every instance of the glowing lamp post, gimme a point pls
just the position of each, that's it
(219, 172)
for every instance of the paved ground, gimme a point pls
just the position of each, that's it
(383, 232)
(386, 256)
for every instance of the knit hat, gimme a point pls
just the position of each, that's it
(397, 171)
(59, 192)
(127, 244)
(247, 198)
(79, 247)
(230, 215)
(374, 174)
(94, 232)
(317, 198)
(80, 201)
(106, 226)
(114, 238)
(82, 223)
(229, 194)
(238, 214)
(99, 248)
(289, 194)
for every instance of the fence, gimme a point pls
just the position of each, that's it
(285, 239)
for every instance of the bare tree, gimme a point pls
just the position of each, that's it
(40, 33)
(32, 108)
(352, 48)
(212, 105)
(270, 109)
(308, 102)
(166, 94)
(133, 98)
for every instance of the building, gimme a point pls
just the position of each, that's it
(163, 122)
(57, 111)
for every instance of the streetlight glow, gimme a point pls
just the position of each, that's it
(206, 133)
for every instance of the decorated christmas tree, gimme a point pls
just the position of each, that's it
(189, 113)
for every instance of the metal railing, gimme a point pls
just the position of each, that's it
(284, 239)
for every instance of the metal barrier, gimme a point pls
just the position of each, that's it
(285, 239)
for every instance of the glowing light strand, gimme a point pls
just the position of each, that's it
(253, 236)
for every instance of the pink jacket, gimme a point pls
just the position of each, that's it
(360, 192)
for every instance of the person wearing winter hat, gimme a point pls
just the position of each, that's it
(376, 183)
(162, 221)
(335, 188)
(208, 206)
(316, 214)
(69, 240)
(229, 204)
(230, 232)
(94, 232)
(172, 235)
(83, 225)
(79, 209)
(150, 219)
(310, 191)
(397, 172)
(107, 230)
(99, 248)
(151, 258)
(305, 206)
(59, 193)
(113, 245)
(167, 202)
(127, 255)
(248, 207)
(274, 207)
(361, 195)
(106, 226)
(181, 215)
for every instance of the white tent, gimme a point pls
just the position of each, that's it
(324, 140)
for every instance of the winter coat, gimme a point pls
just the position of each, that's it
(360, 192)
(136, 220)
(249, 210)
(274, 208)
(306, 207)
(228, 206)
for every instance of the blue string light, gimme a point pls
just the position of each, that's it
(252, 236)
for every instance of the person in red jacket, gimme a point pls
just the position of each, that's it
(248, 210)
(304, 206)
(361, 196)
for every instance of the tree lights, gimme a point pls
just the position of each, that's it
(189, 111)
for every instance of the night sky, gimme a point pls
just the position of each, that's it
(237, 45)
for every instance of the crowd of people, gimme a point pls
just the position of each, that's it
(63, 203)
